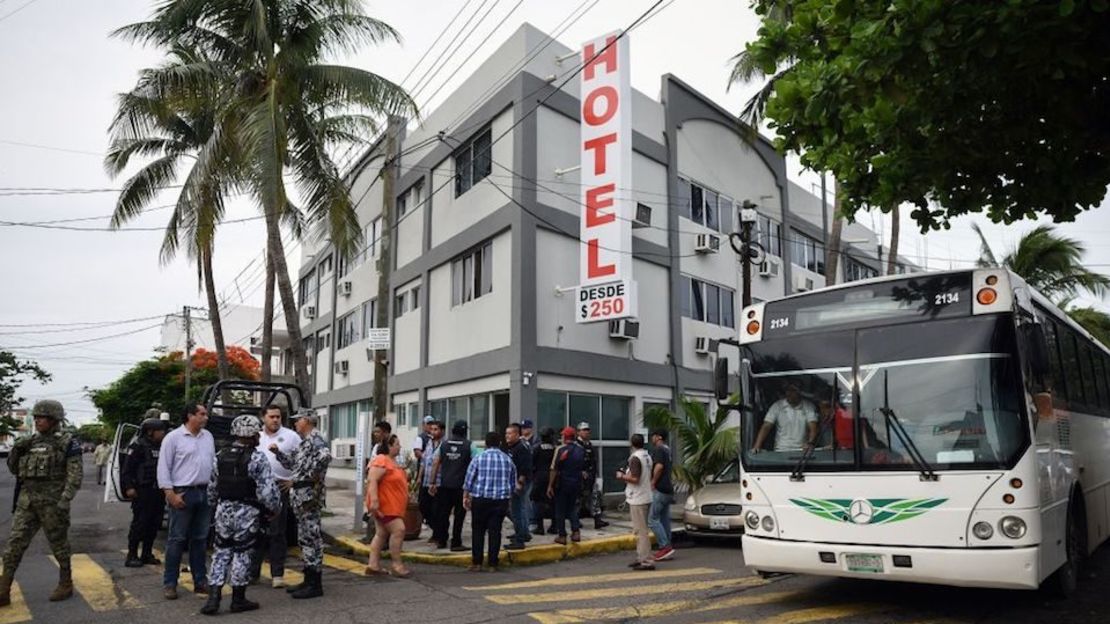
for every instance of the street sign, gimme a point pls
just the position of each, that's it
(378, 339)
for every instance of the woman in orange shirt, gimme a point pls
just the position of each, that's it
(387, 497)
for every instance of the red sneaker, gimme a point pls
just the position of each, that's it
(663, 554)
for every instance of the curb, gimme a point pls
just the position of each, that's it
(532, 555)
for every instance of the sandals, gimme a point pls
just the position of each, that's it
(375, 571)
(400, 574)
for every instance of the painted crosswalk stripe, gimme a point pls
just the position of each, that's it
(339, 563)
(17, 611)
(292, 577)
(821, 614)
(97, 587)
(184, 579)
(560, 581)
(641, 590)
(659, 609)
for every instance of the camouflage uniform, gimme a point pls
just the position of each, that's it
(238, 523)
(309, 464)
(48, 466)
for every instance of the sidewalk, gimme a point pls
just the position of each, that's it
(338, 530)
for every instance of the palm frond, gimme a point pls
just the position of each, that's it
(143, 187)
(120, 152)
(325, 84)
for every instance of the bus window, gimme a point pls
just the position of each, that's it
(1072, 373)
(1059, 382)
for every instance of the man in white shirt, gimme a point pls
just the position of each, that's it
(794, 421)
(274, 541)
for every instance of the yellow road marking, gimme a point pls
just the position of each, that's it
(657, 609)
(596, 578)
(17, 611)
(820, 614)
(97, 587)
(642, 590)
(339, 563)
(292, 577)
(184, 579)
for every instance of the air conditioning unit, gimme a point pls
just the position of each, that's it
(343, 450)
(345, 288)
(769, 268)
(702, 345)
(707, 243)
(802, 283)
(342, 367)
(624, 329)
(310, 312)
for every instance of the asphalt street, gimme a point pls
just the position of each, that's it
(706, 582)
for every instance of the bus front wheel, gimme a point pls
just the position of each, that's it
(1062, 584)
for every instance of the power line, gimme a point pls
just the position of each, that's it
(71, 228)
(48, 147)
(23, 346)
(29, 3)
(119, 322)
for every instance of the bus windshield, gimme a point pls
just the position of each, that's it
(948, 391)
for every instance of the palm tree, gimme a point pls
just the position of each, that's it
(706, 443)
(289, 108)
(744, 70)
(1049, 262)
(174, 128)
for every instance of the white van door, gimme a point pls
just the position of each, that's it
(125, 434)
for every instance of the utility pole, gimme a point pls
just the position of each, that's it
(749, 252)
(385, 265)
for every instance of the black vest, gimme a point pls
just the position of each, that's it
(453, 462)
(147, 474)
(234, 482)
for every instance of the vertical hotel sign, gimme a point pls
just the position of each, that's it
(606, 289)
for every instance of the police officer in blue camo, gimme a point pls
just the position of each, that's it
(309, 465)
(242, 489)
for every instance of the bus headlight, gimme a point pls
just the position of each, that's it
(768, 523)
(752, 520)
(1012, 527)
(983, 530)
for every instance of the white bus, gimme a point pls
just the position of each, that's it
(949, 428)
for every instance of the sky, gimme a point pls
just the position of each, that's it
(60, 72)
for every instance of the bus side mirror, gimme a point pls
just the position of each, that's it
(720, 379)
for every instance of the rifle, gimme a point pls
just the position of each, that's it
(15, 497)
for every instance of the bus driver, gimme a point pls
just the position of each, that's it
(794, 420)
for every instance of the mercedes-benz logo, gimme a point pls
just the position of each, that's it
(860, 511)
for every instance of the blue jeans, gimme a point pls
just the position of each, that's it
(659, 518)
(566, 506)
(521, 506)
(189, 524)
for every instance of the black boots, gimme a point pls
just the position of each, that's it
(212, 607)
(133, 560)
(239, 602)
(312, 587)
(599, 523)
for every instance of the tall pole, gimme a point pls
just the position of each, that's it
(385, 264)
(746, 249)
(188, 350)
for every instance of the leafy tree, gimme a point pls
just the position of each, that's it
(1095, 321)
(13, 372)
(94, 432)
(288, 106)
(705, 442)
(161, 381)
(955, 107)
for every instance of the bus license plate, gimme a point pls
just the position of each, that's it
(718, 524)
(864, 563)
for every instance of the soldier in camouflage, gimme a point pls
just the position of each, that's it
(309, 464)
(242, 488)
(48, 467)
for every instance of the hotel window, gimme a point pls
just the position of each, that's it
(473, 161)
(472, 274)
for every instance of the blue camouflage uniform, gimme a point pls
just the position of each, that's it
(309, 465)
(238, 522)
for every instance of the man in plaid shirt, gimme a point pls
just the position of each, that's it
(490, 481)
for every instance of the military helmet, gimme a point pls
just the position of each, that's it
(153, 412)
(49, 408)
(151, 425)
(245, 426)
